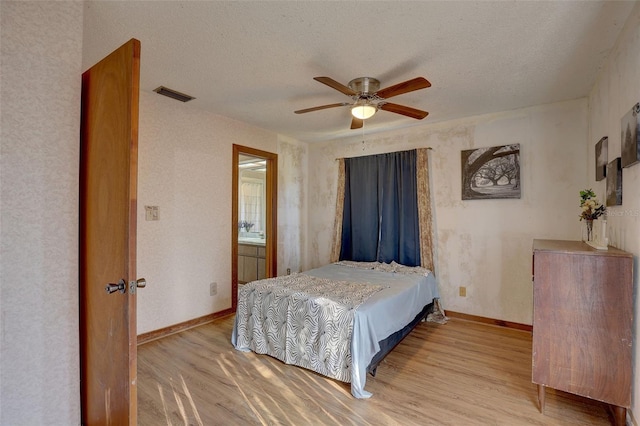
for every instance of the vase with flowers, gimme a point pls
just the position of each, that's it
(592, 209)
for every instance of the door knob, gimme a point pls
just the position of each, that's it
(140, 282)
(112, 288)
(122, 286)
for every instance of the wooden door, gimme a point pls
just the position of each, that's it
(108, 193)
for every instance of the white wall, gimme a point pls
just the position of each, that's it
(484, 245)
(292, 204)
(185, 169)
(41, 54)
(616, 91)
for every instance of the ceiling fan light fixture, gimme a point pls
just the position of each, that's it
(368, 98)
(363, 110)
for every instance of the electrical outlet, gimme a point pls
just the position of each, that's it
(213, 289)
(288, 271)
(463, 292)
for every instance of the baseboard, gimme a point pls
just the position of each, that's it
(176, 328)
(485, 320)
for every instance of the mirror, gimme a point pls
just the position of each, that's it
(254, 222)
(252, 176)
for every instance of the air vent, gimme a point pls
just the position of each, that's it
(173, 94)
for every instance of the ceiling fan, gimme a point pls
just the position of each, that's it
(367, 98)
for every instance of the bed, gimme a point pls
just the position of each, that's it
(338, 320)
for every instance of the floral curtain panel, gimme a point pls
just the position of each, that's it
(337, 226)
(425, 217)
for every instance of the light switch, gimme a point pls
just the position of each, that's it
(151, 213)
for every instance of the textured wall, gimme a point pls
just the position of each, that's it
(292, 202)
(41, 51)
(41, 56)
(484, 245)
(617, 89)
(185, 170)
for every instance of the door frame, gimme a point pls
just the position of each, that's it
(271, 220)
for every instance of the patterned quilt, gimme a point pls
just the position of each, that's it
(302, 320)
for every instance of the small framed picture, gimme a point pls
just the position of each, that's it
(614, 183)
(630, 137)
(602, 148)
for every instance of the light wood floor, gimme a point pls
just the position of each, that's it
(460, 373)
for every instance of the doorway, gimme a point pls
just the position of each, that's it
(253, 217)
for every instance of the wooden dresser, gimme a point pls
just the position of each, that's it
(582, 322)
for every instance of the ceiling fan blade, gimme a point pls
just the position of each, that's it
(404, 87)
(404, 110)
(302, 111)
(356, 123)
(335, 85)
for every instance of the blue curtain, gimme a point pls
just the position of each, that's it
(380, 215)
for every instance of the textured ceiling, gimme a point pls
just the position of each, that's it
(255, 61)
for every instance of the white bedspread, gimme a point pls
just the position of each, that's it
(398, 297)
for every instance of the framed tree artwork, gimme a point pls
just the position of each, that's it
(630, 137)
(614, 183)
(602, 158)
(491, 172)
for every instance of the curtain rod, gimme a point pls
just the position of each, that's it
(425, 147)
